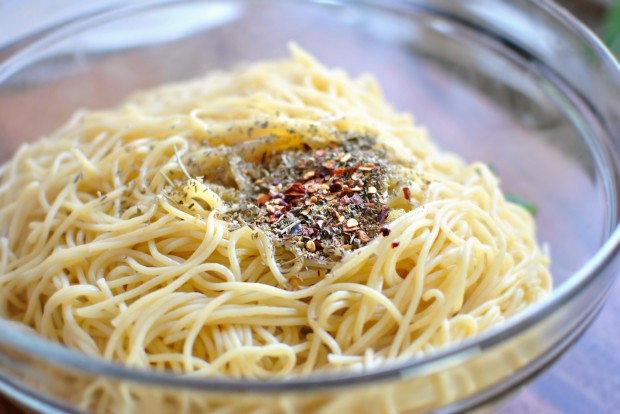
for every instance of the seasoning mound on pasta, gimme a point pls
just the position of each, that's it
(277, 219)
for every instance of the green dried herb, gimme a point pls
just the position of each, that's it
(530, 207)
(320, 202)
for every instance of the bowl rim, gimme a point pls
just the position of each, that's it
(60, 355)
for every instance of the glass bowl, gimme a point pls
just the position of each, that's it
(520, 85)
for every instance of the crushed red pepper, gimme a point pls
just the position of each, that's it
(322, 202)
(407, 193)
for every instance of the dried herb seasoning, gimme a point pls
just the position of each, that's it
(318, 202)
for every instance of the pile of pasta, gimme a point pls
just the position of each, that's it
(96, 252)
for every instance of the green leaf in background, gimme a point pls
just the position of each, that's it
(610, 31)
(523, 203)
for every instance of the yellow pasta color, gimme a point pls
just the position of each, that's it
(96, 254)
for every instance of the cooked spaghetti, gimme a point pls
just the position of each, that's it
(277, 219)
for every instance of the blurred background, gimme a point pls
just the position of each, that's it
(19, 18)
(585, 380)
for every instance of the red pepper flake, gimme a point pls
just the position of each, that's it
(361, 234)
(330, 164)
(395, 244)
(322, 172)
(339, 216)
(407, 193)
(295, 190)
(351, 225)
(262, 199)
(367, 167)
(307, 231)
(383, 215)
(357, 199)
(335, 187)
(314, 188)
(385, 231)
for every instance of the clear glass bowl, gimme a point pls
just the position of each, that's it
(520, 85)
